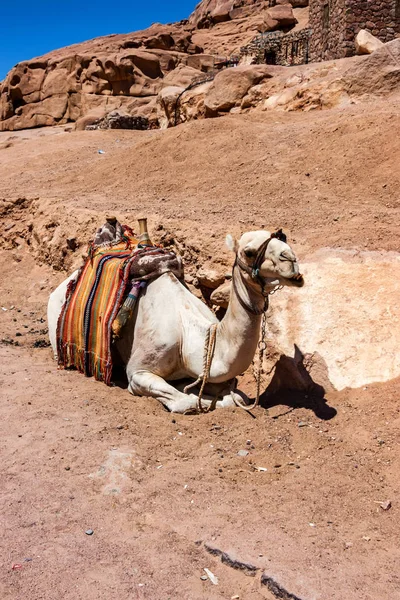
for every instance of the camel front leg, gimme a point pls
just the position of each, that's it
(145, 383)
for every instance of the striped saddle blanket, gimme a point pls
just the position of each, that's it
(110, 278)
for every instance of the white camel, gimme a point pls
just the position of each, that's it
(165, 340)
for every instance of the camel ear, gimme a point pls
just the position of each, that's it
(231, 243)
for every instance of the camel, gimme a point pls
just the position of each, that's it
(165, 341)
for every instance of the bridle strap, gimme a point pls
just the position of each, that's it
(248, 307)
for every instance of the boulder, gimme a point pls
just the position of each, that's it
(279, 17)
(182, 76)
(209, 278)
(222, 12)
(211, 11)
(90, 118)
(167, 106)
(221, 296)
(366, 43)
(231, 85)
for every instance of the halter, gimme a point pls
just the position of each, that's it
(254, 272)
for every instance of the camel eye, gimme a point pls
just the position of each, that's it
(250, 253)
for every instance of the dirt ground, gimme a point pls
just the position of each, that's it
(161, 492)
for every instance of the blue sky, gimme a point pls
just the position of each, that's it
(29, 29)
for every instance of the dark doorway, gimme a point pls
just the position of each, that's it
(270, 57)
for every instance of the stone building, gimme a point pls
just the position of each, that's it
(335, 24)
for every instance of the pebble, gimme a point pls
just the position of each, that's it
(204, 577)
(243, 452)
(386, 505)
(67, 468)
(89, 532)
(302, 424)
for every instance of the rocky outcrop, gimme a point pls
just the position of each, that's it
(128, 73)
(307, 87)
(211, 12)
(118, 72)
(231, 85)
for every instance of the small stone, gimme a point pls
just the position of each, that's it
(67, 468)
(204, 577)
(120, 426)
(348, 545)
(277, 466)
(248, 442)
(302, 424)
(89, 532)
(243, 452)
(386, 505)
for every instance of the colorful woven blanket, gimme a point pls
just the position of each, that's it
(92, 303)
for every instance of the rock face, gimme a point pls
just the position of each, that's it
(128, 73)
(323, 334)
(118, 72)
(211, 12)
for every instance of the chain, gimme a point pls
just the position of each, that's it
(262, 346)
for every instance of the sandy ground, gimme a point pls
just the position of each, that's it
(159, 489)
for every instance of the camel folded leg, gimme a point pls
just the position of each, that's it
(145, 383)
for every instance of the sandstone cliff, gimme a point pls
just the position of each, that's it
(127, 72)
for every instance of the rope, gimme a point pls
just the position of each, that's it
(209, 347)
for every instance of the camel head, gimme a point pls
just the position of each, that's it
(266, 258)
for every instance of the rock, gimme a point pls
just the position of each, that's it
(90, 118)
(221, 12)
(182, 76)
(211, 576)
(279, 17)
(221, 296)
(167, 106)
(386, 505)
(209, 278)
(89, 532)
(211, 11)
(366, 43)
(243, 452)
(230, 85)
(120, 120)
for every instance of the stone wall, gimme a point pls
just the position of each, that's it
(335, 24)
(279, 48)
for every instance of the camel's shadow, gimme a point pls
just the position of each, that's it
(292, 385)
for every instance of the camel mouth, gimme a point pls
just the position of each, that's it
(297, 280)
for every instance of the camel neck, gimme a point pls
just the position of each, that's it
(239, 330)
